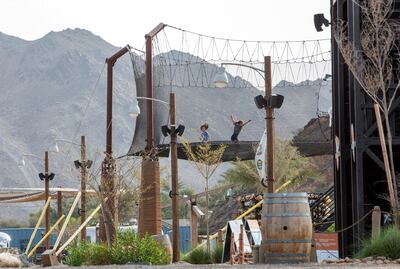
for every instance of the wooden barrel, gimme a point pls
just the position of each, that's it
(286, 228)
(166, 242)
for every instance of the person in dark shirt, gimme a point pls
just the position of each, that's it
(237, 127)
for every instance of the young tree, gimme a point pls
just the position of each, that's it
(184, 191)
(126, 192)
(371, 62)
(206, 160)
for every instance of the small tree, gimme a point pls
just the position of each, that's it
(126, 191)
(166, 209)
(371, 63)
(206, 160)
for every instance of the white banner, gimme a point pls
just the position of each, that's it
(260, 156)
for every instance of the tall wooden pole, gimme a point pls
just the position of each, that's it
(108, 169)
(149, 208)
(46, 196)
(269, 120)
(149, 93)
(174, 181)
(59, 208)
(83, 187)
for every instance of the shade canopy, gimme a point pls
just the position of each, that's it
(24, 195)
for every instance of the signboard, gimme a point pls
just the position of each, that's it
(326, 246)
(254, 230)
(260, 156)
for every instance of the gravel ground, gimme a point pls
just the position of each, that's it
(224, 266)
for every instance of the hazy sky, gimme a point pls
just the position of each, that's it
(122, 22)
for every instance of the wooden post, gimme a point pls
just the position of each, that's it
(376, 222)
(72, 237)
(256, 254)
(108, 170)
(193, 224)
(241, 246)
(46, 196)
(83, 187)
(232, 249)
(37, 225)
(313, 254)
(46, 236)
(174, 181)
(64, 226)
(219, 238)
(59, 207)
(269, 121)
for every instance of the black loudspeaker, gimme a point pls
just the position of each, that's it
(320, 20)
(165, 130)
(77, 164)
(180, 130)
(276, 101)
(89, 163)
(260, 101)
(43, 176)
(51, 176)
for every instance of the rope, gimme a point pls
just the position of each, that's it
(241, 40)
(82, 118)
(349, 227)
(199, 57)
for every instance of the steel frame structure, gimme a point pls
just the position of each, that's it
(360, 181)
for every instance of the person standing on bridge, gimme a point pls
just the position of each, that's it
(204, 136)
(237, 127)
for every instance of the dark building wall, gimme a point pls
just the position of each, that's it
(360, 181)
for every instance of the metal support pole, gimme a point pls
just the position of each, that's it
(46, 196)
(174, 180)
(83, 187)
(59, 208)
(269, 121)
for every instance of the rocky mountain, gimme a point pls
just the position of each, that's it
(55, 88)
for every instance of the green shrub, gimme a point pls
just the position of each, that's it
(127, 248)
(97, 254)
(217, 254)
(387, 245)
(331, 229)
(76, 254)
(198, 256)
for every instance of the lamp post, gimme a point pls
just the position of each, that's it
(83, 165)
(46, 177)
(174, 194)
(150, 211)
(109, 218)
(269, 102)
